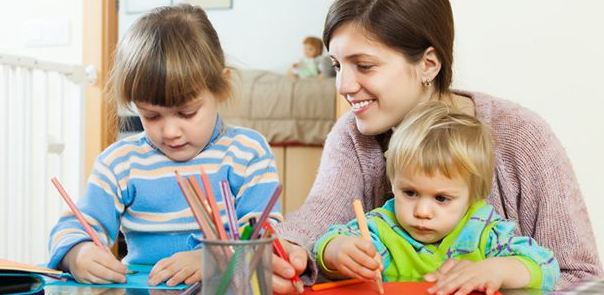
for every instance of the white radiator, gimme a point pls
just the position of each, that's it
(41, 135)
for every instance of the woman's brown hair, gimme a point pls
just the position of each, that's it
(409, 26)
(167, 58)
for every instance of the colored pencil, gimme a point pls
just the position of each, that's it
(78, 214)
(203, 220)
(358, 211)
(255, 284)
(195, 208)
(230, 269)
(202, 199)
(230, 209)
(212, 200)
(205, 208)
(278, 248)
(228, 274)
(256, 269)
(266, 212)
(192, 289)
(336, 284)
(247, 232)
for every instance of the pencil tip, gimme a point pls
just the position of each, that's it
(299, 286)
(380, 285)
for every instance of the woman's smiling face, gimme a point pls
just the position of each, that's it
(378, 81)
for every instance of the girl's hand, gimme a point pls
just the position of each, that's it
(353, 257)
(180, 267)
(91, 264)
(283, 271)
(461, 277)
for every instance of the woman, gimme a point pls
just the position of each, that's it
(389, 56)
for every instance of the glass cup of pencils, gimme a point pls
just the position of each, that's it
(237, 267)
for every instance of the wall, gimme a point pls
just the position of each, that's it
(48, 30)
(259, 34)
(547, 55)
(51, 31)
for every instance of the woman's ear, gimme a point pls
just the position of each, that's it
(226, 73)
(429, 65)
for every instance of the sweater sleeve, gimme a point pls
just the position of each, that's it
(350, 229)
(540, 262)
(101, 206)
(338, 183)
(551, 208)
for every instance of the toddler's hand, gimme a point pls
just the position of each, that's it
(461, 277)
(88, 263)
(180, 267)
(353, 257)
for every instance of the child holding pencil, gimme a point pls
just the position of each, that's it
(438, 226)
(171, 67)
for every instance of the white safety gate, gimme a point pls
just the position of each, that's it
(41, 135)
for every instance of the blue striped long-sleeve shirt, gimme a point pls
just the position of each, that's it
(133, 188)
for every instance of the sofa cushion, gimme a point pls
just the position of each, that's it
(287, 111)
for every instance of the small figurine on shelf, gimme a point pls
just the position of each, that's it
(313, 63)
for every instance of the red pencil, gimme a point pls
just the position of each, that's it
(77, 213)
(298, 284)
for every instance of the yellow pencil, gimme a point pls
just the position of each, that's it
(358, 211)
(255, 285)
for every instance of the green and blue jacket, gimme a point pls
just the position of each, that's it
(481, 234)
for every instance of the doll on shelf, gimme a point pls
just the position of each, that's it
(313, 63)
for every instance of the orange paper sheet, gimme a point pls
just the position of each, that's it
(369, 288)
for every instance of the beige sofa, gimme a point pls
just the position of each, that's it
(287, 111)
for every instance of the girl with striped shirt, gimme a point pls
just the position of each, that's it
(171, 68)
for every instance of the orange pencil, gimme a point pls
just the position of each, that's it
(55, 181)
(195, 208)
(197, 190)
(336, 284)
(205, 207)
(358, 211)
(204, 222)
(212, 200)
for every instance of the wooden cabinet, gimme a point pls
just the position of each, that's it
(297, 170)
(298, 166)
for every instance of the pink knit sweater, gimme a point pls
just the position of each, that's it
(534, 185)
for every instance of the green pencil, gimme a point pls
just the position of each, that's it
(228, 275)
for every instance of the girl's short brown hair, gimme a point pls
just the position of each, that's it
(409, 26)
(168, 57)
